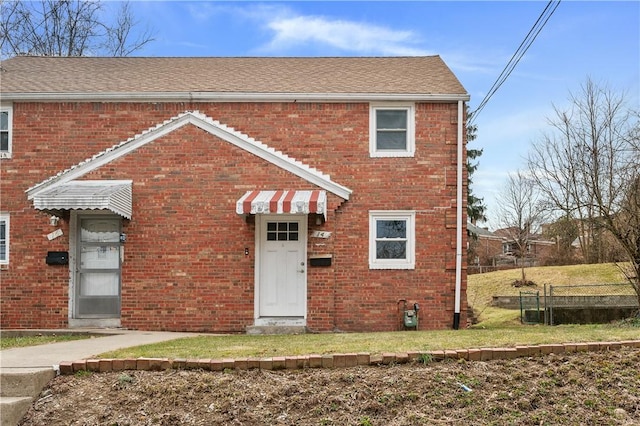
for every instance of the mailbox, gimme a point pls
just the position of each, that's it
(320, 260)
(58, 258)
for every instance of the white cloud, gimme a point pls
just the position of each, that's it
(348, 36)
(471, 63)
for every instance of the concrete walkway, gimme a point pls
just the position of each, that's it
(24, 372)
(46, 356)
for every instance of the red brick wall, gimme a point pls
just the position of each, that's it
(484, 250)
(185, 266)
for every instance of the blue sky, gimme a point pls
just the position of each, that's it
(600, 40)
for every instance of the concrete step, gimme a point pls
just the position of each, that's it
(13, 408)
(276, 329)
(24, 381)
(18, 388)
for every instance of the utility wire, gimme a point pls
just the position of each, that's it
(517, 56)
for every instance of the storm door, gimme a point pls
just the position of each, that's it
(98, 274)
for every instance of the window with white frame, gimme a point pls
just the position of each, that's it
(4, 239)
(5, 131)
(392, 130)
(392, 240)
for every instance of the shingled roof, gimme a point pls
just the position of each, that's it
(28, 77)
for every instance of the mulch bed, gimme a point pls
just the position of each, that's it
(590, 388)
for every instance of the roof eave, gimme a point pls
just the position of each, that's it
(230, 97)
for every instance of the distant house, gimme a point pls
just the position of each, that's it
(499, 248)
(484, 245)
(229, 194)
(537, 248)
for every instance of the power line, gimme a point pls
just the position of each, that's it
(519, 53)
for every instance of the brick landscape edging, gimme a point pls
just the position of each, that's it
(335, 360)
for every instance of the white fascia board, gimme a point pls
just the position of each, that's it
(232, 97)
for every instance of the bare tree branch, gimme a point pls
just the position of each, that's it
(119, 36)
(520, 213)
(67, 28)
(588, 168)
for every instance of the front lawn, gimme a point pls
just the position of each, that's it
(236, 346)
(22, 341)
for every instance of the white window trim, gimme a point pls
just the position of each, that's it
(410, 217)
(7, 154)
(4, 217)
(411, 130)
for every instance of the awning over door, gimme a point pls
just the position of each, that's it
(112, 195)
(274, 202)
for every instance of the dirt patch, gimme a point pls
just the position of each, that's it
(584, 388)
(523, 283)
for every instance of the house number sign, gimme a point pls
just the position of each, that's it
(321, 234)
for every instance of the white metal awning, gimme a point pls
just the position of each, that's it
(112, 195)
(280, 202)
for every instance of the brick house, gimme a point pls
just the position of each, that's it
(538, 249)
(229, 194)
(484, 246)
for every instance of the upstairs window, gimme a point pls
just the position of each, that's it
(391, 132)
(392, 240)
(5, 132)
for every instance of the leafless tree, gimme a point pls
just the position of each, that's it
(588, 168)
(67, 28)
(520, 214)
(119, 41)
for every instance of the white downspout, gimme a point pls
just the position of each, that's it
(459, 215)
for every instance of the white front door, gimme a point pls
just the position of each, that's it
(282, 278)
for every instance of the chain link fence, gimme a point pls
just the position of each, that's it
(589, 303)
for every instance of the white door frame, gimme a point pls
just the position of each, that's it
(260, 222)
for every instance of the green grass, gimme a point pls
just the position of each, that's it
(22, 341)
(495, 318)
(238, 346)
(482, 287)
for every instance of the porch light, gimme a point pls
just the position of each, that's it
(53, 220)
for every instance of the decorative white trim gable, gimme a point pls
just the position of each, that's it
(209, 125)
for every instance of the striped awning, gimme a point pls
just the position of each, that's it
(112, 195)
(280, 202)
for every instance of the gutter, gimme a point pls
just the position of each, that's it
(459, 214)
(227, 97)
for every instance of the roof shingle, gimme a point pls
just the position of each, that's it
(264, 75)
